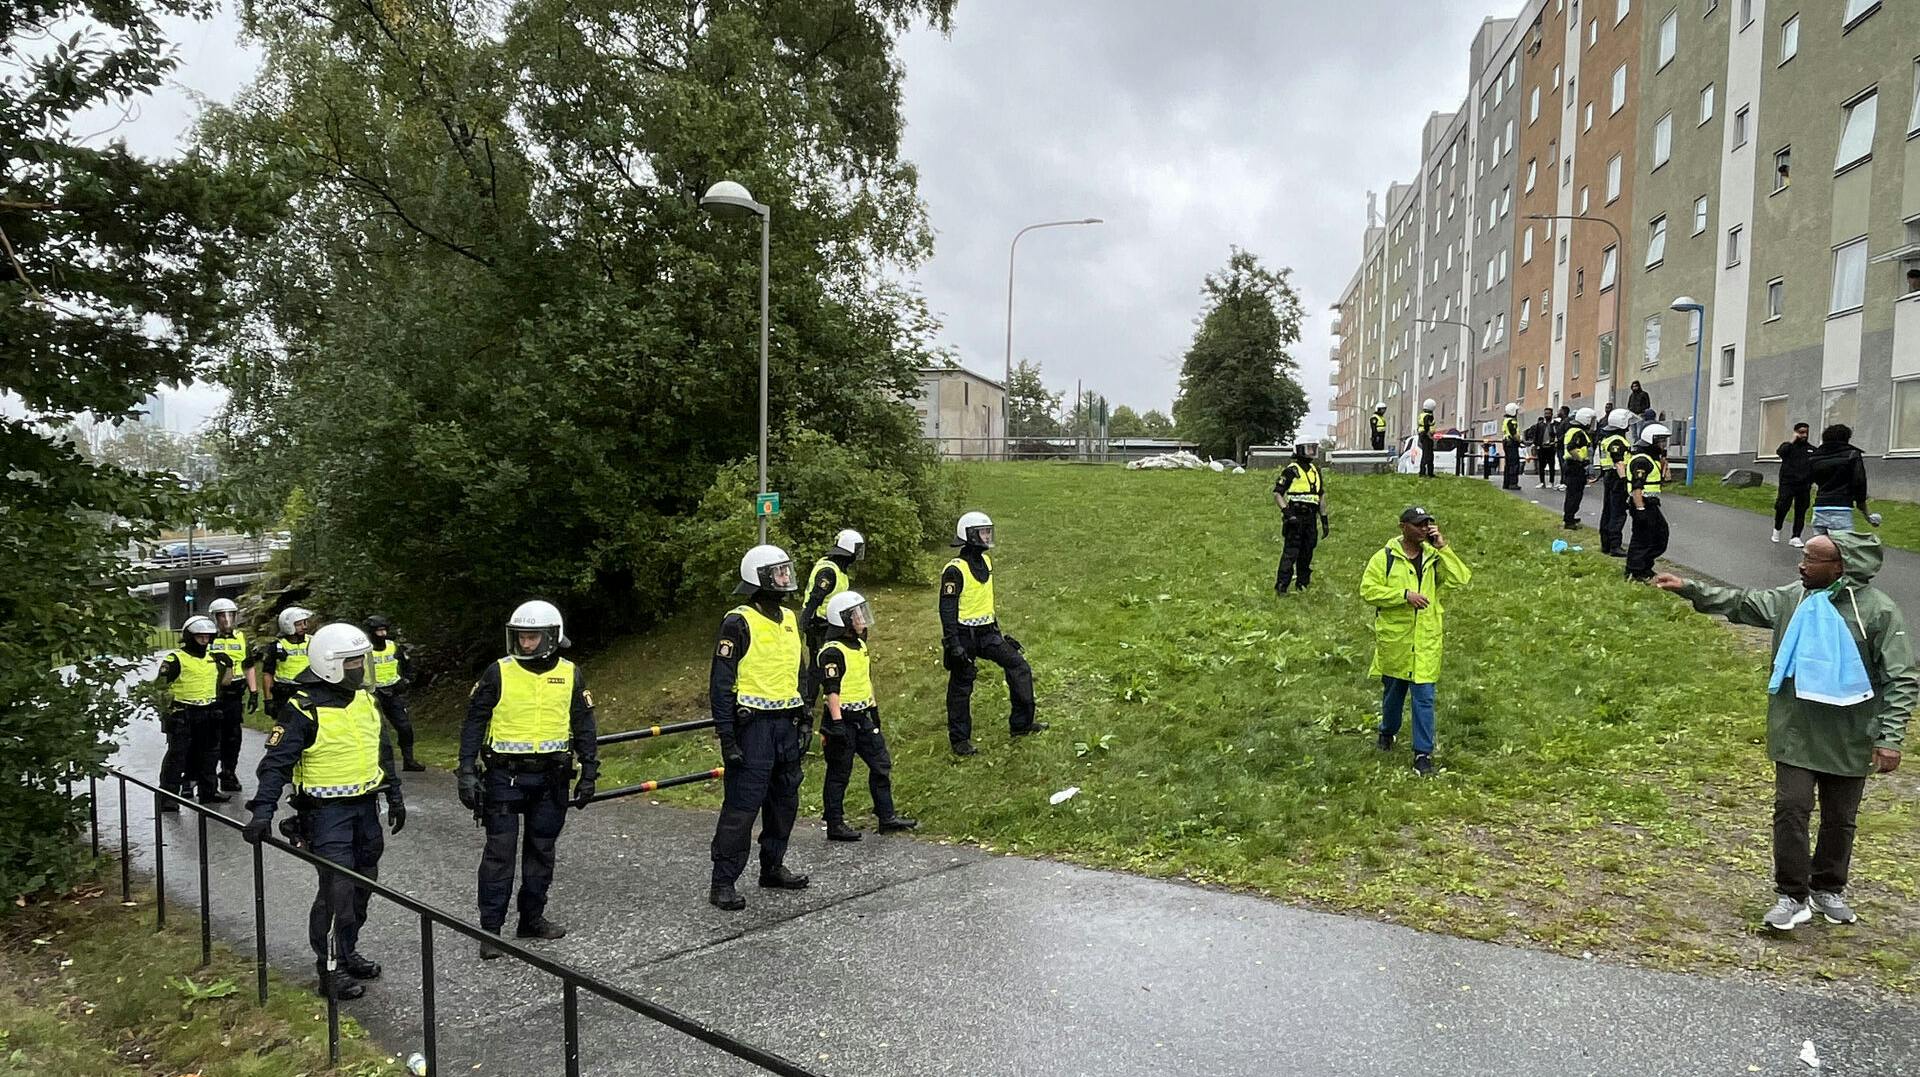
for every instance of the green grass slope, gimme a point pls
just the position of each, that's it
(1604, 785)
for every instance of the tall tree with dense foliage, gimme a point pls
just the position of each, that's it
(112, 282)
(1237, 385)
(501, 347)
(1032, 411)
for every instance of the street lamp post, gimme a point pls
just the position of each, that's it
(730, 199)
(1688, 305)
(1006, 399)
(1466, 347)
(1619, 254)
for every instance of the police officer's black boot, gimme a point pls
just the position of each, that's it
(489, 951)
(229, 782)
(724, 896)
(779, 878)
(1037, 727)
(410, 763)
(898, 823)
(337, 983)
(539, 927)
(359, 967)
(965, 747)
(838, 830)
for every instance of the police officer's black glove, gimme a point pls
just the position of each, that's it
(396, 814)
(253, 701)
(469, 790)
(953, 657)
(1325, 527)
(583, 791)
(730, 752)
(256, 829)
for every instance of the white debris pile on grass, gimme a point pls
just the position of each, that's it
(1174, 461)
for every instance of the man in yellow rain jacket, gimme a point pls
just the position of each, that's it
(1404, 583)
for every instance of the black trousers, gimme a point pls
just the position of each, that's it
(1613, 511)
(1575, 476)
(1379, 440)
(190, 765)
(232, 715)
(1544, 463)
(1649, 539)
(525, 812)
(1299, 530)
(1795, 495)
(856, 734)
(1511, 465)
(1795, 873)
(1426, 458)
(393, 707)
(987, 642)
(764, 786)
(345, 831)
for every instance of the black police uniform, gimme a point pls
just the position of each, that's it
(232, 704)
(1576, 448)
(1300, 520)
(1378, 423)
(284, 688)
(857, 733)
(1511, 464)
(1428, 445)
(963, 645)
(1614, 451)
(1649, 541)
(532, 785)
(191, 763)
(343, 830)
(392, 698)
(763, 749)
(813, 614)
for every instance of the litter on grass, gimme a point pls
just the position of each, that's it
(1168, 461)
(1809, 1055)
(1064, 795)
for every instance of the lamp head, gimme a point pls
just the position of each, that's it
(730, 199)
(1686, 302)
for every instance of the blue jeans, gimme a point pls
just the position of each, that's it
(1394, 701)
(1830, 518)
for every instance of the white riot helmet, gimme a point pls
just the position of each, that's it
(291, 617)
(1513, 409)
(1428, 404)
(1619, 418)
(198, 626)
(1651, 431)
(851, 543)
(849, 609)
(224, 607)
(766, 568)
(539, 616)
(1584, 416)
(974, 529)
(331, 647)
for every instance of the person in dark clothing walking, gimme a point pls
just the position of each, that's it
(1638, 401)
(1302, 496)
(1646, 475)
(1577, 446)
(1510, 447)
(970, 630)
(1615, 449)
(1796, 486)
(1425, 427)
(1540, 436)
(1838, 472)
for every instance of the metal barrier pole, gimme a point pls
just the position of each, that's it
(260, 923)
(93, 814)
(663, 783)
(126, 870)
(159, 866)
(571, 998)
(652, 731)
(206, 906)
(429, 1024)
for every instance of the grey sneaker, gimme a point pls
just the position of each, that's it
(1833, 907)
(1787, 914)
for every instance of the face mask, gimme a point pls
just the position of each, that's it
(350, 679)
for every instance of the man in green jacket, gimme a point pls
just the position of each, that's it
(1822, 747)
(1403, 583)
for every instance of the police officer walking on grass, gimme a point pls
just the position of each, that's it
(757, 687)
(194, 674)
(969, 632)
(1302, 496)
(844, 674)
(327, 741)
(529, 720)
(229, 640)
(1615, 449)
(392, 672)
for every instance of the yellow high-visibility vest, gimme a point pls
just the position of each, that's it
(976, 598)
(386, 664)
(1304, 487)
(344, 758)
(856, 674)
(535, 712)
(1651, 486)
(199, 679)
(767, 677)
(292, 661)
(840, 581)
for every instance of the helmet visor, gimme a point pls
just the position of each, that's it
(533, 643)
(858, 618)
(778, 576)
(981, 536)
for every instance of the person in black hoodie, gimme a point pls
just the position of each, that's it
(1838, 472)
(1794, 484)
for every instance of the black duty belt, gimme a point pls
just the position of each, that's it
(529, 763)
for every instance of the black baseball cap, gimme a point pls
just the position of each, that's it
(1416, 515)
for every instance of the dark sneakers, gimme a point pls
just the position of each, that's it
(212, 797)
(897, 824)
(724, 896)
(489, 951)
(965, 747)
(779, 878)
(840, 831)
(1027, 731)
(359, 967)
(413, 765)
(229, 782)
(539, 927)
(1384, 742)
(1423, 764)
(337, 984)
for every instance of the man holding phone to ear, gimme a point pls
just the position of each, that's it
(1404, 583)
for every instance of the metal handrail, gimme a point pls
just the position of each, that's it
(572, 980)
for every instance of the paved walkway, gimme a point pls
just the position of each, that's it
(914, 958)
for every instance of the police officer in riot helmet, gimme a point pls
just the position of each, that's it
(970, 630)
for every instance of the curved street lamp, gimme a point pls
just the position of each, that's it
(728, 199)
(1006, 398)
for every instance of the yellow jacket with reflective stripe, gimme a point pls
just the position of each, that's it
(1578, 443)
(1649, 487)
(1427, 422)
(344, 758)
(1305, 484)
(535, 712)
(1612, 442)
(233, 645)
(292, 661)
(856, 676)
(976, 598)
(840, 581)
(1378, 422)
(198, 681)
(386, 664)
(767, 677)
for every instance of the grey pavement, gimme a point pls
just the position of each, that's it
(911, 957)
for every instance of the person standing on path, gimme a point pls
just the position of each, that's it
(194, 675)
(1638, 401)
(1647, 475)
(327, 741)
(529, 719)
(1378, 424)
(392, 672)
(1615, 449)
(284, 659)
(1540, 436)
(1425, 429)
(1576, 449)
(1302, 496)
(1838, 472)
(1404, 582)
(1823, 747)
(831, 575)
(1796, 485)
(844, 674)
(970, 631)
(229, 640)
(1510, 447)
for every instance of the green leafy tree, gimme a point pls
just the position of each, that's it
(1155, 424)
(1032, 411)
(508, 351)
(1236, 384)
(112, 281)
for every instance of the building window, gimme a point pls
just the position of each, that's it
(1652, 340)
(1584, 192)
(1499, 327)
(1773, 426)
(1746, 13)
(1790, 39)
(1619, 89)
(1506, 259)
(1512, 142)
(1533, 167)
(1782, 168)
(1913, 120)
(1533, 105)
(1593, 32)
(1693, 327)
(1700, 215)
(1857, 10)
(1906, 415)
(1706, 103)
(1776, 298)
(1740, 127)
(1669, 38)
(1613, 178)
(1526, 314)
(1540, 377)
(1726, 365)
(1574, 366)
(1559, 326)
(1838, 406)
(1609, 267)
(1733, 246)
(1556, 78)
(1856, 135)
(1656, 241)
(1849, 277)
(1563, 250)
(1580, 281)
(1586, 116)
(1663, 140)
(1566, 170)
(1526, 246)
(1620, 9)
(1506, 201)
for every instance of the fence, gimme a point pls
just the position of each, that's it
(573, 981)
(1091, 449)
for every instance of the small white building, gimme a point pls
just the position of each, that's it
(962, 413)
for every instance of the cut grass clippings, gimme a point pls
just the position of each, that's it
(1604, 784)
(1899, 520)
(89, 989)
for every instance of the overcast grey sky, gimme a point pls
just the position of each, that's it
(1189, 127)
